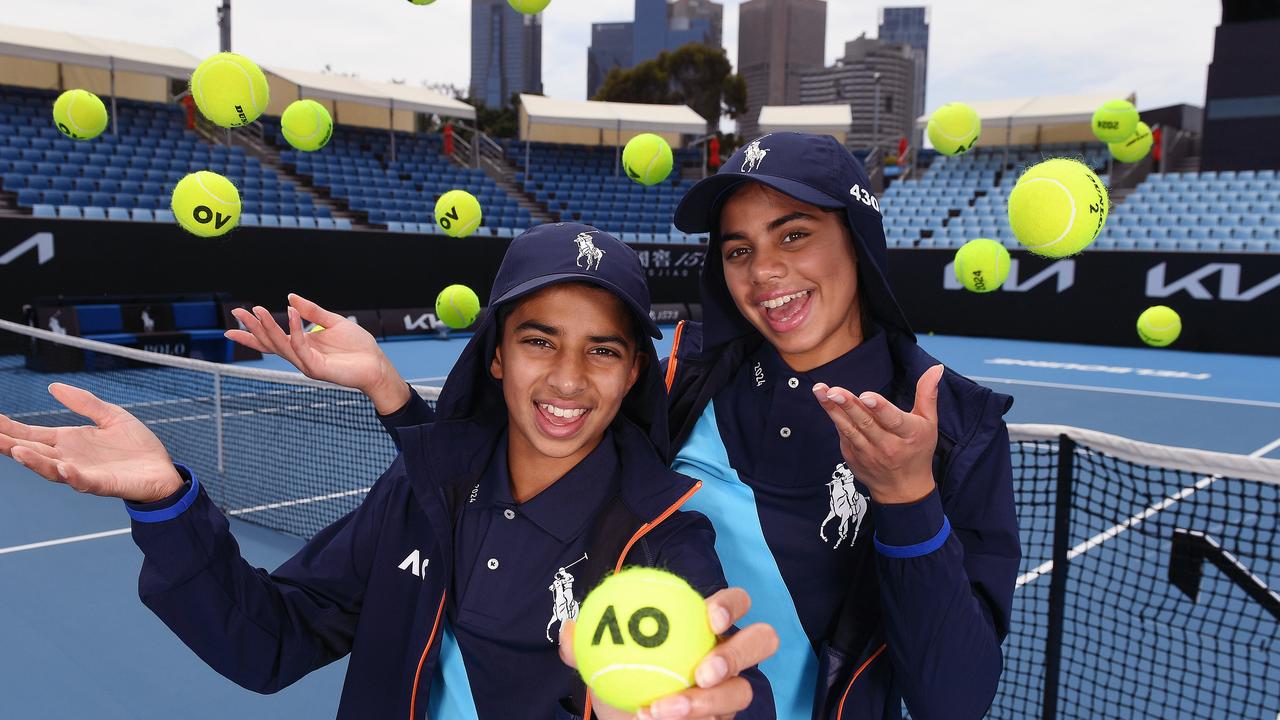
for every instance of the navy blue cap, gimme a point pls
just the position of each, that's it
(572, 252)
(815, 169)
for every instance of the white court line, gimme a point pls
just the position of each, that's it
(232, 513)
(1131, 522)
(1126, 391)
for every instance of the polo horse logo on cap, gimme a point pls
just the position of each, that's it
(755, 155)
(587, 249)
(564, 606)
(847, 504)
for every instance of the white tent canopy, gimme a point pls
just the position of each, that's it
(828, 119)
(378, 94)
(61, 47)
(613, 115)
(1050, 117)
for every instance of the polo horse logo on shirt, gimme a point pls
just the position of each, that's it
(755, 155)
(563, 607)
(148, 322)
(587, 249)
(847, 504)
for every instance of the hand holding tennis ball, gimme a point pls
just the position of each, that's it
(344, 353)
(644, 638)
(116, 456)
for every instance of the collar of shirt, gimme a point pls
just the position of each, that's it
(868, 366)
(565, 508)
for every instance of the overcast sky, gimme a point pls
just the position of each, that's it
(979, 49)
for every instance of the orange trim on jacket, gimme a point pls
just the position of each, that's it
(417, 675)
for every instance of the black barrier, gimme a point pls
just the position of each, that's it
(1228, 303)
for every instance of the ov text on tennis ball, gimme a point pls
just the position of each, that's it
(458, 213)
(982, 265)
(230, 90)
(206, 204)
(647, 159)
(1057, 208)
(640, 635)
(80, 115)
(457, 306)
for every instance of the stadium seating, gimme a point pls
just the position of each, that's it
(356, 168)
(134, 170)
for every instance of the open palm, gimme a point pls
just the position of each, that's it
(117, 456)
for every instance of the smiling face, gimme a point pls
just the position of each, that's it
(567, 359)
(793, 273)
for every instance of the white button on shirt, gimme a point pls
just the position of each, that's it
(509, 514)
(785, 432)
(493, 563)
(793, 383)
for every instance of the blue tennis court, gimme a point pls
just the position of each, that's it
(80, 643)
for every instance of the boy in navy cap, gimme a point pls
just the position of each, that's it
(538, 472)
(861, 493)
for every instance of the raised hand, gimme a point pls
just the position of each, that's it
(889, 450)
(343, 353)
(117, 456)
(720, 692)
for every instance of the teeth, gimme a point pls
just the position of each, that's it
(780, 301)
(562, 412)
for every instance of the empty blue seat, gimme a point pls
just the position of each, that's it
(28, 197)
(269, 221)
(117, 213)
(288, 221)
(42, 210)
(249, 219)
(94, 213)
(69, 211)
(143, 215)
(165, 216)
(342, 223)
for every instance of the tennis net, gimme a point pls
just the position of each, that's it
(1144, 590)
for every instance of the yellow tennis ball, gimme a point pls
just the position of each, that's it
(982, 265)
(954, 128)
(306, 124)
(529, 7)
(1135, 148)
(457, 306)
(458, 213)
(1159, 325)
(421, 2)
(206, 204)
(1057, 208)
(640, 635)
(230, 90)
(316, 328)
(1115, 121)
(647, 159)
(80, 115)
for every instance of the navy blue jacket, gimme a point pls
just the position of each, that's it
(353, 588)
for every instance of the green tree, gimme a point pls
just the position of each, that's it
(501, 122)
(695, 74)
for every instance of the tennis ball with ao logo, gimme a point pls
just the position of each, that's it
(80, 115)
(457, 306)
(458, 213)
(647, 159)
(230, 90)
(206, 204)
(640, 635)
(1057, 208)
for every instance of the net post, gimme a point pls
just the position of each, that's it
(217, 415)
(1058, 579)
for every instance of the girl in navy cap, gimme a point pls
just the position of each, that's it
(539, 471)
(861, 493)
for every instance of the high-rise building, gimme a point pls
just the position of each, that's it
(910, 26)
(778, 42)
(506, 52)
(659, 25)
(877, 80)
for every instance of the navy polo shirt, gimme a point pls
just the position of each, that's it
(786, 449)
(510, 559)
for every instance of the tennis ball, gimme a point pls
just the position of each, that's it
(1115, 121)
(422, 2)
(80, 115)
(1135, 148)
(306, 125)
(954, 128)
(647, 159)
(206, 204)
(316, 328)
(982, 265)
(230, 90)
(529, 7)
(457, 306)
(640, 635)
(458, 213)
(1057, 208)
(1159, 326)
